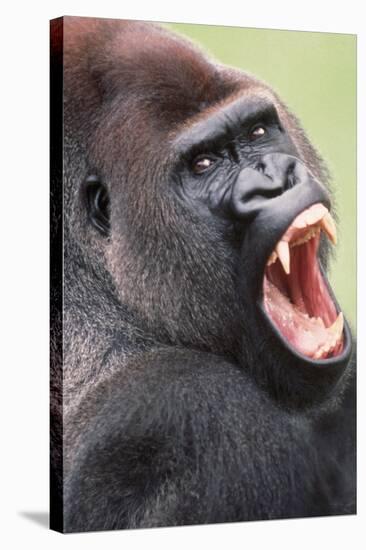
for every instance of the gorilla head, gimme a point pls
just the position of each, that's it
(197, 221)
(207, 204)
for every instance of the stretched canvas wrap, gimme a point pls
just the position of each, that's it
(202, 274)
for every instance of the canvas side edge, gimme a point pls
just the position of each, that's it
(56, 274)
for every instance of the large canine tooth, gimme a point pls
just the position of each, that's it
(283, 253)
(300, 221)
(337, 327)
(327, 223)
(310, 216)
(315, 213)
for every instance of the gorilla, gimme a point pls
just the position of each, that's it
(202, 369)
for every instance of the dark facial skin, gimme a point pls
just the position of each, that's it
(179, 401)
(241, 167)
(236, 138)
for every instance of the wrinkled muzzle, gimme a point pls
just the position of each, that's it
(286, 211)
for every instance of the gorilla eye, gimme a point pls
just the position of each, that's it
(202, 164)
(257, 132)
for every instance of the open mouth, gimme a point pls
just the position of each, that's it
(296, 297)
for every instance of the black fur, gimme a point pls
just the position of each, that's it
(179, 406)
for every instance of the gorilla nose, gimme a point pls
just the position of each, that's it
(271, 176)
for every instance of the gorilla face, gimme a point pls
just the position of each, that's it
(215, 206)
(241, 165)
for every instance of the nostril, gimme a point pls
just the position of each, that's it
(290, 175)
(281, 171)
(260, 166)
(291, 167)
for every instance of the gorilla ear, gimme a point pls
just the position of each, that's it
(97, 199)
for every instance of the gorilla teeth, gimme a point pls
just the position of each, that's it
(327, 223)
(337, 327)
(317, 215)
(335, 333)
(283, 253)
(317, 218)
(282, 250)
(309, 217)
(295, 302)
(309, 235)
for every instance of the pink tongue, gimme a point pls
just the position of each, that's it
(306, 334)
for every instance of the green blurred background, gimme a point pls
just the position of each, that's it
(315, 74)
